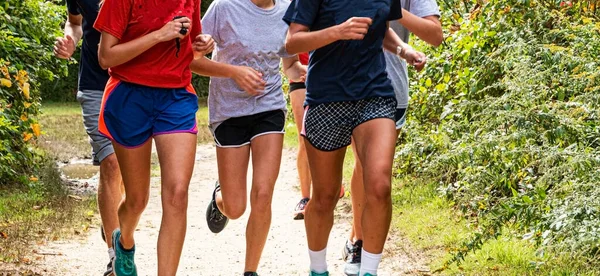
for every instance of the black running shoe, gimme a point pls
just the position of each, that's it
(109, 268)
(214, 218)
(352, 267)
(250, 273)
(299, 210)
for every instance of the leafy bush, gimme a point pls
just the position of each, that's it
(505, 118)
(18, 103)
(27, 31)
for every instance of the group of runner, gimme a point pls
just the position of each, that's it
(151, 49)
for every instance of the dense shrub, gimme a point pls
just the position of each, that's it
(505, 118)
(27, 31)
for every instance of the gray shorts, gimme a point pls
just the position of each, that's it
(400, 118)
(90, 101)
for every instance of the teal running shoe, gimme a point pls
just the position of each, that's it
(123, 264)
(369, 274)
(312, 273)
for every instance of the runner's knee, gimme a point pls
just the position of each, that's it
(176, 198)
(234, 210)
(261, 199)
(136, 204)
(110, 167)
(378, 190)
(325, 201)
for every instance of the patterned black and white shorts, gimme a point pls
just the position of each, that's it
(329, 126)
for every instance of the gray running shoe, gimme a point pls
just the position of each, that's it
(299, 210)
(352, 267)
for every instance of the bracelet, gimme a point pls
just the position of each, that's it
(399, 51)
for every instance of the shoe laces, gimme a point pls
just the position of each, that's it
(355, 253)
(217, 215)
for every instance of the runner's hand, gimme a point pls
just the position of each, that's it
(303, 70)
(416, 59)
(354, 28)
(249, 80)
(172, 29)
(203, 44)
(64, 47)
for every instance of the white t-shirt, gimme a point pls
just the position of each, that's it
(396, 67)
(246, 35)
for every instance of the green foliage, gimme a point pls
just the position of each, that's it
(18, 103)
(27, 31)
(505, 118)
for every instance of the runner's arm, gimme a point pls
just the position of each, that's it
(301, 39)
(427, 28)
(210, 68)
(113, 53)
(64, 47)
(394, 44)
(293, 69)
(73, 27)
(392, 41)
(247, 78)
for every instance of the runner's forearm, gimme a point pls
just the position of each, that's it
(293, 69)
(392, 41)
(73, 27)
(111, 54)
(428, 28)
(210, 68)
(300, 40)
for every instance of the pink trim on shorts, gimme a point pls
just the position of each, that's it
(127, 147)
(193, 130)
(303, 132)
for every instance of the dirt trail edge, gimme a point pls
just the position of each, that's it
(205, 253)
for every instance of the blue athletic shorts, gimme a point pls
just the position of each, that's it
(131, 113)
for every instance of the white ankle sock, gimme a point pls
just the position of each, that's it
(318, 260)
(369, 263)
(111, 253)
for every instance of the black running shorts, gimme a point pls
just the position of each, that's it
(239, 131)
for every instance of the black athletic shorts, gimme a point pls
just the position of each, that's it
(239, 131)
(297, 85)
(329, 126)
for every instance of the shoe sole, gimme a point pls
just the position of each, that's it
(299, 216)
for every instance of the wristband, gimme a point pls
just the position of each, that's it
(399, 51)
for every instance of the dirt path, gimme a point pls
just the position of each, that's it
(205, 253)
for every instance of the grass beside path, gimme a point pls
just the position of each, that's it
(39, 213)
(434, 227)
